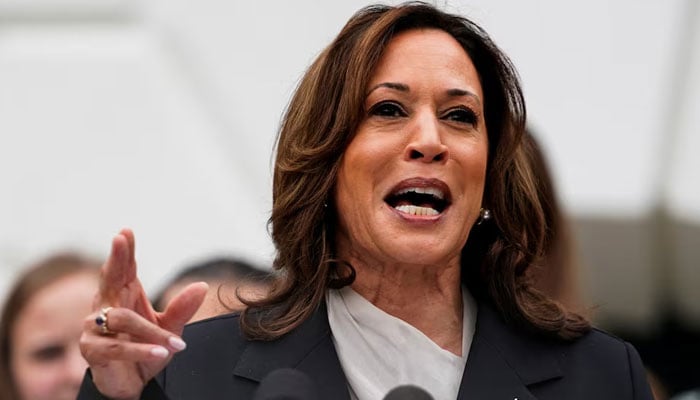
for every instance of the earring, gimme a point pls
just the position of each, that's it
(484, 215)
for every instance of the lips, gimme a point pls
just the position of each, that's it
(420, 197)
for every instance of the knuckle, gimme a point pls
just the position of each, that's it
(114, 349)
(84, 340)
(84, 344)
(89, 352)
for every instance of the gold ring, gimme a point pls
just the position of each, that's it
(101, 321)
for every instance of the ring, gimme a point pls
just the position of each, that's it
(101, 321)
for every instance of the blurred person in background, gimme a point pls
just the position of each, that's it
(41, 323)
(227, 278)
(557, 273)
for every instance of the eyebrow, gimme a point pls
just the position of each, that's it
(463, 93)
(391, 85)
(404, 88)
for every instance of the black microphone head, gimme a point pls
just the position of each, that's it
(286, 384)
(408, 392)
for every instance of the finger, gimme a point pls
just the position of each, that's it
(131, 241)
(183, 306)
(98, 351)
(118, 270)
(126, 321)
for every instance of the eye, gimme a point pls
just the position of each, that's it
(461, 115)
(48, 353)
(388, 109)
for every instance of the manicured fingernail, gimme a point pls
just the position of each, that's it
(177, 343)
(160, 352)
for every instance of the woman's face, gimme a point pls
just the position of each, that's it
(46, 362)
(411, 181)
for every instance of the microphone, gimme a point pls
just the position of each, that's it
(286, 384)
(408, 392)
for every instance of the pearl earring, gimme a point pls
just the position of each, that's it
(484, 215)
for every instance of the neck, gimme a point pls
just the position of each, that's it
(428, 297)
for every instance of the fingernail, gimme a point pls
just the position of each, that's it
(177, 343)
(160, 352)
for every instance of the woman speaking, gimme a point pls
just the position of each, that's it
(405, 218)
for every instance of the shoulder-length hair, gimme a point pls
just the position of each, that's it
(319, 124)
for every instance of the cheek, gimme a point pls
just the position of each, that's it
(351, 206)
(35, 380)
(472, 166)
(354, 187)
(471, 169)
(355, 203)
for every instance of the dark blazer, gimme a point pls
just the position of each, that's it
(503, 364)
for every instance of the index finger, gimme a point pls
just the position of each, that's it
(131, 242)
(119, 269)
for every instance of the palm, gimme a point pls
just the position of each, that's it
(128, 373)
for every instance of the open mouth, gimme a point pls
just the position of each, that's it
(419, 200)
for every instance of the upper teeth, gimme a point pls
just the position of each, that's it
(435, 192)
(416, 210)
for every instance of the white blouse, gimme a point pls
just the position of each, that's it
(378, 351)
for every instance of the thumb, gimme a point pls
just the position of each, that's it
(183, 306)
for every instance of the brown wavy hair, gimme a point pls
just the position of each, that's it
(321, 121)
(33, 280)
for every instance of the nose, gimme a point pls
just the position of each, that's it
(425, 144)
(75, 366)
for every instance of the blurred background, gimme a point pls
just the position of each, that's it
(161, 116)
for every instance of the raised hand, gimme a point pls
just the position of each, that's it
(125, 341)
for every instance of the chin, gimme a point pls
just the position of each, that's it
(422, 252)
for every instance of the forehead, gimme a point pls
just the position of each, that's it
(429, 56)
(65, 298)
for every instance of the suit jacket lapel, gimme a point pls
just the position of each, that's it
(309, 348)
(502, 362)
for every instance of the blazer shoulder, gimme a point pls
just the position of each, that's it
(214, 335)
(599, 344)
(219, 335)
(217, 323)
(603, 357)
